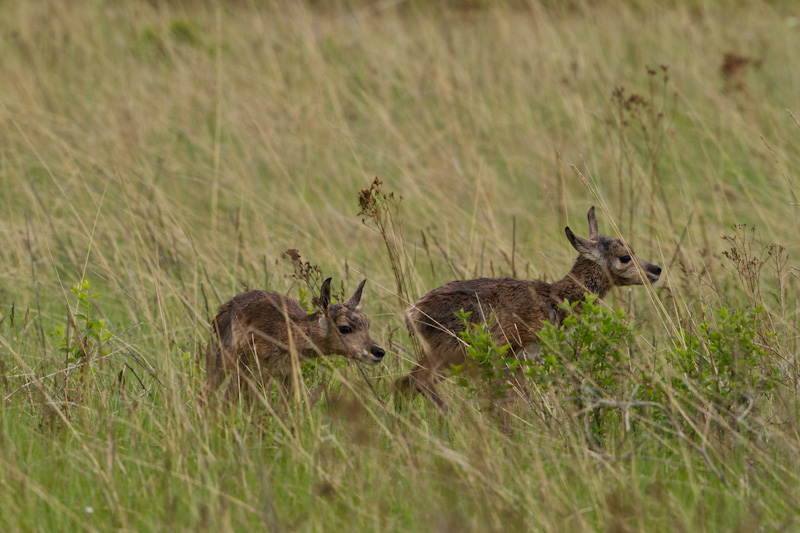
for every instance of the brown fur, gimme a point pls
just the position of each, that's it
(257, 333)
(520, 307)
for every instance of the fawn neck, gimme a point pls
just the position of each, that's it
(311, 339)
(585, 276)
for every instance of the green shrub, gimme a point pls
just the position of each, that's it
(728, 363)
(588, 355)
(586, 369)
(585, 359)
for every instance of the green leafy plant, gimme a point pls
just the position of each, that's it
(587, 355)
(729, 362)
(88, 340)
(491, 360)
(586, 366)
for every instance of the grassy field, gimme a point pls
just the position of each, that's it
(170, 152)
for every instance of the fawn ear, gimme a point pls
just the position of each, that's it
(325, 295)
(593, 232)
(352, 302)
(583, 246)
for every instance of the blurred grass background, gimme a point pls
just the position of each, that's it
(171, 151)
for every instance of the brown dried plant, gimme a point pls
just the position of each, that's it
(639, 121)
(380, 212)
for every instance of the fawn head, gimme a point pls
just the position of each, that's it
(345, 329)
(613, 256)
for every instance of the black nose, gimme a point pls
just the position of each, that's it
(377, 351)
(656, 270)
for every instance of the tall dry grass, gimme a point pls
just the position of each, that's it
(171, 152)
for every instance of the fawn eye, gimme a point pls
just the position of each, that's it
(344, 330)
(625, 259)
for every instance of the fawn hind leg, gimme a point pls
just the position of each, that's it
(245, 381)
(428, 372)
(221, 367)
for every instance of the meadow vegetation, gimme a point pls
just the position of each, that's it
(158, 157)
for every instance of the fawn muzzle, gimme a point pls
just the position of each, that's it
(376, 354)
(653, 272)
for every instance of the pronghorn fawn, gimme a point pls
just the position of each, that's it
(262, 335)
(519, 307)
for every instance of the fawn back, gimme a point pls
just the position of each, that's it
(258, 331)
(520, 307)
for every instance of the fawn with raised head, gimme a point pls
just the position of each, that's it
(258, 331)
(519, 307)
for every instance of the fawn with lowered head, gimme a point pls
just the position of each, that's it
(519, 307)
(257, 331)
